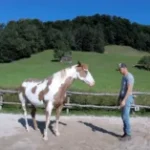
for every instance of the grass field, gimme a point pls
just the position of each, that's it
(102, 66)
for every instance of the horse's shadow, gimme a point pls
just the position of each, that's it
(41, 124)
(96, 128)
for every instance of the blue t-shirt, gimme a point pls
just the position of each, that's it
(127, 79)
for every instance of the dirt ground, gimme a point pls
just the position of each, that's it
(76, 133)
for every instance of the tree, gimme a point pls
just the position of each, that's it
(22, 38)
(69, 36)
(84, 38)
(31, 31)
(62, 49)
(12, 46)
(52, 36)
(99, 39)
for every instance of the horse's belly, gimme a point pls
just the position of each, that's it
(33, 99)
(37, 103)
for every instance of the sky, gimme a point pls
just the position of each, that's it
(52, 10)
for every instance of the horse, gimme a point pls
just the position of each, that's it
(51, 93)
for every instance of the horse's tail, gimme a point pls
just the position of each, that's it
(20, 88)
(17, 88)
(22, 97)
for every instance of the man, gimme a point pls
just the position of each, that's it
(125, 98)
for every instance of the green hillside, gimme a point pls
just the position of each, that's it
(102, 66)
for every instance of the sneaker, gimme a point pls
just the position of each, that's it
(125, 138)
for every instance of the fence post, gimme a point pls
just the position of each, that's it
(136, 108)
(1, 101)
(68, 102)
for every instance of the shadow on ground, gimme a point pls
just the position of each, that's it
(96, 128)
(41, 124)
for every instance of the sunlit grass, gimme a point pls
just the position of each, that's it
(102, 66)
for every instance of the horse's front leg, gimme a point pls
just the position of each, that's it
(58, 111)
(48, 111)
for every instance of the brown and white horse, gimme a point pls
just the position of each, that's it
(51, 92)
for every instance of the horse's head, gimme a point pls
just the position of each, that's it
(83, 74)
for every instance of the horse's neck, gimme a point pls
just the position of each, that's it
(66, 75)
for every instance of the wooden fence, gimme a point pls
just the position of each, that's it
(69, 105)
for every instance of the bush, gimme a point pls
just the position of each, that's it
(144, 62)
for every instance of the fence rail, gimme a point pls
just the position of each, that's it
(80, 93)
(69, 105)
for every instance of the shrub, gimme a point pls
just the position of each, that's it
(144, 62)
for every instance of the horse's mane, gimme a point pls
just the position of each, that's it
(62, 72)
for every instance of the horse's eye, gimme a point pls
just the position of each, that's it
(86, 72)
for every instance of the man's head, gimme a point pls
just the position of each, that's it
(122, 68)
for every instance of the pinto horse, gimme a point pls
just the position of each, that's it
(51, 92)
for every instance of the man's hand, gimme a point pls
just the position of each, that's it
(122, 103)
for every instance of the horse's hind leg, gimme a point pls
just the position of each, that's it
(58, 111)
(23, 103)
(33, 113)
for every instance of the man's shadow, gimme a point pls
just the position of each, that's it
(96, 128)
(41, 124)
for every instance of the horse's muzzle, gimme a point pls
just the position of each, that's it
(92, 84)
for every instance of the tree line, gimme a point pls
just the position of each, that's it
(22, 38)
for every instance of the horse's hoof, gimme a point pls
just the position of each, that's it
(57, 133)
(27, 129)
(45, 138)
(37, 129)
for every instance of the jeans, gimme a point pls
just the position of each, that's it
(125, 114)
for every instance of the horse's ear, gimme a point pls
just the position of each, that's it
(79, 63)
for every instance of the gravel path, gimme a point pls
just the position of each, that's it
(77, 133)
